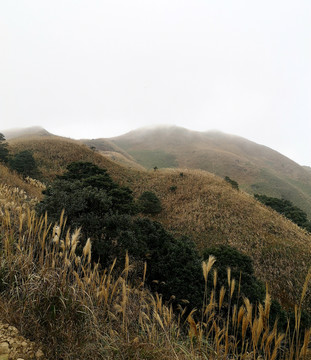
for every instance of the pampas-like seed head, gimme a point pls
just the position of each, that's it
(87, 250)
(206, 266)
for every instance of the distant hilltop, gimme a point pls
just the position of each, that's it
(21, 132)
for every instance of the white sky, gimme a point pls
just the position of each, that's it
(88, 69)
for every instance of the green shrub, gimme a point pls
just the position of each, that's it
(24, 163)
(286, 208)
(174, 263)
(241, 266)
(149, 203)
(104, 211)
(89, 197)
(247, 285)
(4, 152)
(233, 183)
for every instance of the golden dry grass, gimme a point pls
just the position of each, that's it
(207, 209)
(12, 179)
(122, 160)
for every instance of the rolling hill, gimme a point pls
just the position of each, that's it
(54, 153)
(257, 168)
(202, 206)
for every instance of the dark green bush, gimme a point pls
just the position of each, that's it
(286, 208)
(149, 203)
(233, 183)
(104, 211)
(89, 197)
(24, 163)
(4, 152)
(241, 266)
(174, 263)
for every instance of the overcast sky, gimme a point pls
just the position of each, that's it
(87, 68)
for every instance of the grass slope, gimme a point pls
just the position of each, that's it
(113, 152)
(204, 207)
(31, 187)
(257, 168)
(53, 154)
(207, 209)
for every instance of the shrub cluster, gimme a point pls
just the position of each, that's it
(104, 211)
(22, 162)
(149, 203)
(286, 208)
(233, 183)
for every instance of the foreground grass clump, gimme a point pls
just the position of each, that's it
(79, 311)
(74, 309)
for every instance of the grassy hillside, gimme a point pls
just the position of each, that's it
(53, 154)
(204, 207)
(207, 209)
(74, 310)
(137, 324)
(257, 168)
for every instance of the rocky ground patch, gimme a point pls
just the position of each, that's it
(13, 346)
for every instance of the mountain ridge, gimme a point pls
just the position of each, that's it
(257, 168)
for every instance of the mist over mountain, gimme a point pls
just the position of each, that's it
(28, 131)
(257, 168)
